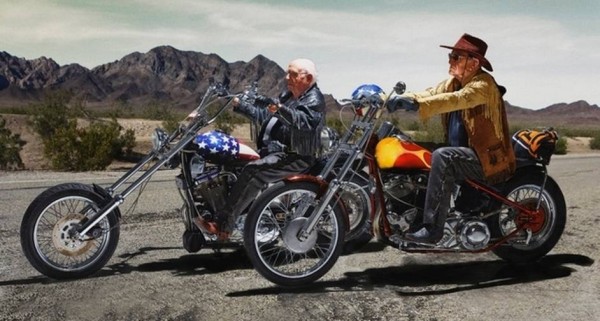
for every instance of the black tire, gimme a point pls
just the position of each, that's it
(524, 188)
(44, 232)
(355, 196)
(271, 243)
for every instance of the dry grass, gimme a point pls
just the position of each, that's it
(32, 153)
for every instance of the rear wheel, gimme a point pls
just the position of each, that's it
(355, 196)
(271, 235)
(545, 227)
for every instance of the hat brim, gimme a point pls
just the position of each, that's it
(484, 62)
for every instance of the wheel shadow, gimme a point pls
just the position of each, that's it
(420, 279)
(189, 264)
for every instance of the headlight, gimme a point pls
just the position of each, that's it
(329, 139)
(158, 139)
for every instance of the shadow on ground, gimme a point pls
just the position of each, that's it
(438, 279)
(190, 264)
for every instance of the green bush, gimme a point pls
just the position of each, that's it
(414, 126)
(53, 113)
(227, 120)
(432, 132)
(78, 149)
(90, 148)
(337, 125)
(561, 146)
(10, 146)
(595, 142)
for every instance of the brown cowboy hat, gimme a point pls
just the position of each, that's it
(474, 46)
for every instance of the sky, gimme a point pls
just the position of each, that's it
(544, 52)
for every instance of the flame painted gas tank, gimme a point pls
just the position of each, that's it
(217, 146)
(392, 152)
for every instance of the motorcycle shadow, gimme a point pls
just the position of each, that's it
(438, 279)
(191, 264)
(207, 262)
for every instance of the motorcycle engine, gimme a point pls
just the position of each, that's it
(402, 192)
(213, 190)
(399, 186)
(465, 233)
(474, 235)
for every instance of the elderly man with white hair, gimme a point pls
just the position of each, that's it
(288, 141)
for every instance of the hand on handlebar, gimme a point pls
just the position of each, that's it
(261, 102)
(402, 102)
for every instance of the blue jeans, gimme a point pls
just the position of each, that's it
(254, 178)
(449, 165)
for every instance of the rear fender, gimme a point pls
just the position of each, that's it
(323, 185)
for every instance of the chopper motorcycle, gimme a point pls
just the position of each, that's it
(519, 220)
(71, 230)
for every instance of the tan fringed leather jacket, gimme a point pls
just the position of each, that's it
(484, 116)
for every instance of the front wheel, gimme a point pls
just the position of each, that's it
(540, 232)
(48, 236)
(271, 235)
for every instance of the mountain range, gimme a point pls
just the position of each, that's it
(180, 78)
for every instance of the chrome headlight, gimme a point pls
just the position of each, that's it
(159, 138)
(329, 139)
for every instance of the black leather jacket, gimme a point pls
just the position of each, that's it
(306, 114)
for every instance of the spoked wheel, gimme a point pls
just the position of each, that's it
(272, 235)
(48, 236)
(540, 232)
(355, 196)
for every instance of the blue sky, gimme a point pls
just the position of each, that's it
(544, 52)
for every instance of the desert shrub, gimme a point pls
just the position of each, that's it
(595, 142)
(53, 113)
(170, 124)
(91, 148)
(336, 124)
(10, 146)
(78, 149)
(432, 132)
(227, 120)
(561, 146)
(413, 126)
(157, 111)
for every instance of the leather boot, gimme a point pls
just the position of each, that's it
(212, 228)
(430, 234)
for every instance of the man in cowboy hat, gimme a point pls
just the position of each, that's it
(474, 118)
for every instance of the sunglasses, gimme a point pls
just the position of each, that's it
(456, 57)
(295, 74)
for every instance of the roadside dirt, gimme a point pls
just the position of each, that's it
(33, 158)
(33, 152)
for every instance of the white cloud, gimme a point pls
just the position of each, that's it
(535, 58)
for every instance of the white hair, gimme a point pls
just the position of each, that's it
(307, 66)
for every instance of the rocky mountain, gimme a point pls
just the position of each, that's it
(163, 73)
(181, 77)
(575, 113)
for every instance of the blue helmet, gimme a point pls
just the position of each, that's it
(366, 91)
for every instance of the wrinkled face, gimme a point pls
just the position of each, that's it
(298, 80)
(462, 65)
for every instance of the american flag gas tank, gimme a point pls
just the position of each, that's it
(218, 146)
